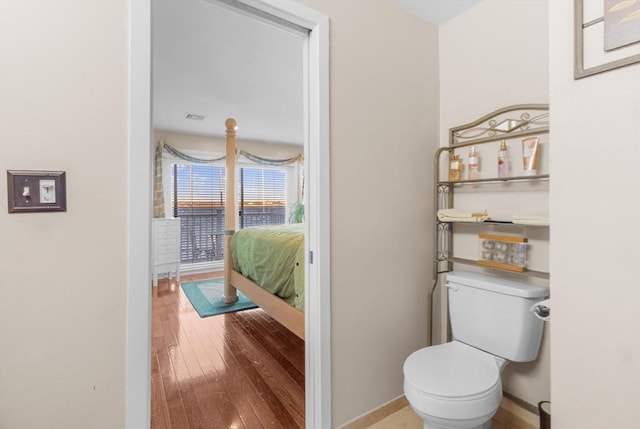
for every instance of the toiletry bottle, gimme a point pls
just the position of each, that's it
(455, 168)
(530, 147)
(474, 167)
(503, 161)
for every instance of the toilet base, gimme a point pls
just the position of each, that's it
(432, 422)
(485, 425)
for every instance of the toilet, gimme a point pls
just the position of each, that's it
(457, 385)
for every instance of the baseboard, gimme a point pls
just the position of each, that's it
(522, 410)
(525, 413)
(522, 403)
(374, 416)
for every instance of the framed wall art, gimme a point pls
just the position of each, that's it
(606, 34)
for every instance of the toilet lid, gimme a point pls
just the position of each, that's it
(452, 370)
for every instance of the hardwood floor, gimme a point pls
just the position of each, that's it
(239, 370)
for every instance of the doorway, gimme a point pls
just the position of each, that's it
(317, 289)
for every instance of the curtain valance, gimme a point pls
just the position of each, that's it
(158, 197)
(251, 157)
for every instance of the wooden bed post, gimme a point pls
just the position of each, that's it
(230, 296)
(285, 313)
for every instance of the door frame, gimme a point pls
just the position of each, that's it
(139, 203)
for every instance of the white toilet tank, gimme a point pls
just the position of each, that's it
(492, 314)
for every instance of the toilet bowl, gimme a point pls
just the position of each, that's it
(453, 386)
(457, 385)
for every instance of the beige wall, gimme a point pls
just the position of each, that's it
(495, 55)
(63, 106)
(384, 110)
(595, 207)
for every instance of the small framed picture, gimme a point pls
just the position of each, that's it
(36, 191)
(606, 35)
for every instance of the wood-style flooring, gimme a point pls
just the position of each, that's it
(241, 370)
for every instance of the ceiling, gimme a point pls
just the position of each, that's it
(212, 60)
(437, 11)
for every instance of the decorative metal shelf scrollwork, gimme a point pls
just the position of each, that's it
(509, 122)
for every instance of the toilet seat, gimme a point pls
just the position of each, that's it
(452, 370)
(453, 381)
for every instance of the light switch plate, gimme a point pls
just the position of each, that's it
(36, 191)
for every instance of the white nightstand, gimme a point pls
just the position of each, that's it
(165, 249)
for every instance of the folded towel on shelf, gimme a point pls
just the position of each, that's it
(531, 219)
(457, 215)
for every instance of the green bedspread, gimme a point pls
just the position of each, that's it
(273, 258)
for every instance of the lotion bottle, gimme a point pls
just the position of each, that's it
(503, 160)
(455, 168)
(474, 166)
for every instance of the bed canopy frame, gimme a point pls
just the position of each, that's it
(289, 316)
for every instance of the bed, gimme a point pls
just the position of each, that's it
(264, 263)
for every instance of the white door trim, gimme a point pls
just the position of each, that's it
(317, 286)
(138, 309)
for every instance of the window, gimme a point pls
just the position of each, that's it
(262, 197)
(198, 198)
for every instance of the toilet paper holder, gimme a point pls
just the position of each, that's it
(542, 309)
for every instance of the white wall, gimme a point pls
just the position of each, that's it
(492, 56)
(384, 109)
(595, 207)
(63, 106)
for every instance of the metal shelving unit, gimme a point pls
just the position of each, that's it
(519, 121)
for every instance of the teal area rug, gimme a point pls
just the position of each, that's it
(206, 298)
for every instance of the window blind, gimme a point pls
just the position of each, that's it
(262, 196)
(198, 198)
